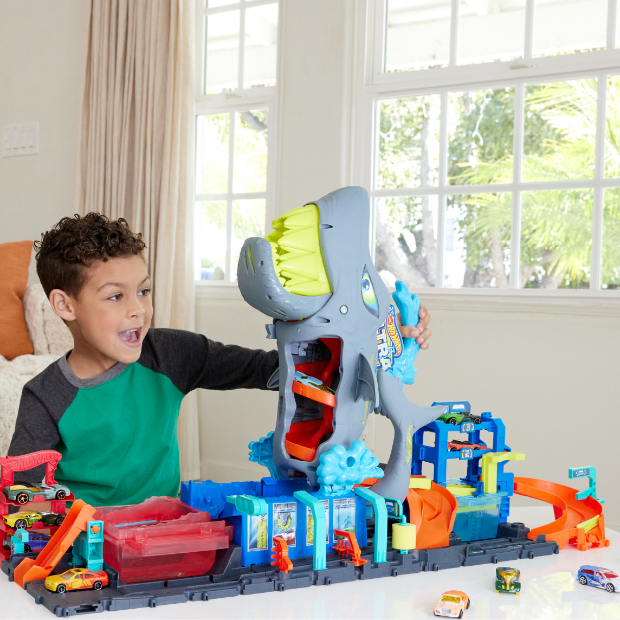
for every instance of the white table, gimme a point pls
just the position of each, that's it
(549, 590)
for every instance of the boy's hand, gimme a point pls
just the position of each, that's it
(420, 332)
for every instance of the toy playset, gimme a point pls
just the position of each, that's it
(328, 511)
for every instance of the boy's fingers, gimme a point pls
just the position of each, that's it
(424, 320)
(423, 337)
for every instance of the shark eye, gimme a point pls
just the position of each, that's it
(368, 295)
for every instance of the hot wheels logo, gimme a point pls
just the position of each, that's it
(390, 323)
(389, 341)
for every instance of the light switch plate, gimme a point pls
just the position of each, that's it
(20, 139)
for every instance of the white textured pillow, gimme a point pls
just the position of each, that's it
(48, 333)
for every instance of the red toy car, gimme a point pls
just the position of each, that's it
(455, 445)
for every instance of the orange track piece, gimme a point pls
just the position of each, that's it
(74, 523)
(320, 396)
(282, 561)
(347, 545)
(432, 511)
(569, 513)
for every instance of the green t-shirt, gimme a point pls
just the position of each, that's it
(117, 432)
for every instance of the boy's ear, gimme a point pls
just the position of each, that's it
(62, 305)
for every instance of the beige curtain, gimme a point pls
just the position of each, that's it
(137, 156)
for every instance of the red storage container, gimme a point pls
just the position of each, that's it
(161, 538)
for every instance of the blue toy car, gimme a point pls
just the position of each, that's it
(36, 542)
(598, 577)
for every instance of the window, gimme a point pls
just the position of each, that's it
(495, 142)
(235, 111)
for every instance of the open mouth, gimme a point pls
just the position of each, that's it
(131, 337)
(296, 252)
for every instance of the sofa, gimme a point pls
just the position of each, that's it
(50, 339)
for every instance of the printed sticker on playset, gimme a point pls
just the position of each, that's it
(285, 521)
(344, 514)
(257, 532)
(310, 523)
(389, 341)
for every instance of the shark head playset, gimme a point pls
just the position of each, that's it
(328, 511)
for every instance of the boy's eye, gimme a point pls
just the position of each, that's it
(116, 297)
(145, 291)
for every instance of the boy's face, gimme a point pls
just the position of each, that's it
(113, 311)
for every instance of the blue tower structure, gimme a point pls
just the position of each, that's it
(439, 455)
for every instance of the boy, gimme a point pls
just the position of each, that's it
(110, 406)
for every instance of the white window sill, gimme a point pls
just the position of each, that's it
(586, 302)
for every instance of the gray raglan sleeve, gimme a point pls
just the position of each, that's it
(35, 430)
(194, 361)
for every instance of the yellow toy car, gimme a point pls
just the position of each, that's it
(24, 520)
(77, 579)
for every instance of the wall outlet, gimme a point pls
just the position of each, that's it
(20, 139)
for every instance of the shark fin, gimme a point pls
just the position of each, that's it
(366, 384)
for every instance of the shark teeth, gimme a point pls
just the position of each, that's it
(296, 252)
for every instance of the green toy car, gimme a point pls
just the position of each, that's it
(456, 418)
(458, 412)
(507, 580)
(24, 493)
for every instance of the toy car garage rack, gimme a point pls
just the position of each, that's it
(10, 464)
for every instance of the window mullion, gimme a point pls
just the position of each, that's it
(441, 200)
(201, 47)
(454, 32)
(528, 52)
(517, 166)
(241, 84)
(612, 13)
(229, 200)
(379, 35)
(599, 173)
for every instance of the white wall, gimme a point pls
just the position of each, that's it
(42, 64)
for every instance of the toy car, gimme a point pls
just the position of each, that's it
(455, 445)
(457, 413)
(598, 577)
(452, 604)
(25, 520)
(507, 579)
(36, 542)
(77, 579)
(24, 493)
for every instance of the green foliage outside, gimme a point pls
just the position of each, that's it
(249, 175)
(559, 142)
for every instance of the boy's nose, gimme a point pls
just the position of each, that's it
(136, 309)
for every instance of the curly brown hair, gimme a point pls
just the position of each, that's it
(75, 243)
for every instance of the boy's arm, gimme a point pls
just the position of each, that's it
(35, 430)
(193, 361)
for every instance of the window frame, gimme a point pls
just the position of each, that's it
(239, 100)
(374, 86)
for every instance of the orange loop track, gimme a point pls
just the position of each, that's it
(569, 513)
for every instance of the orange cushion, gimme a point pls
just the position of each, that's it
(14, 262)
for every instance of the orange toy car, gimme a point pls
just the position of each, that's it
(77, 579)
(452, 604)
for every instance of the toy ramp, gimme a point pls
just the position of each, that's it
(74, 523)
(433, 511)
(579, 522)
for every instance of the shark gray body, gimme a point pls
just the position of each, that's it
(300, 322)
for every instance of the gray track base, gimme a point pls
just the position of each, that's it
(264, 578)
